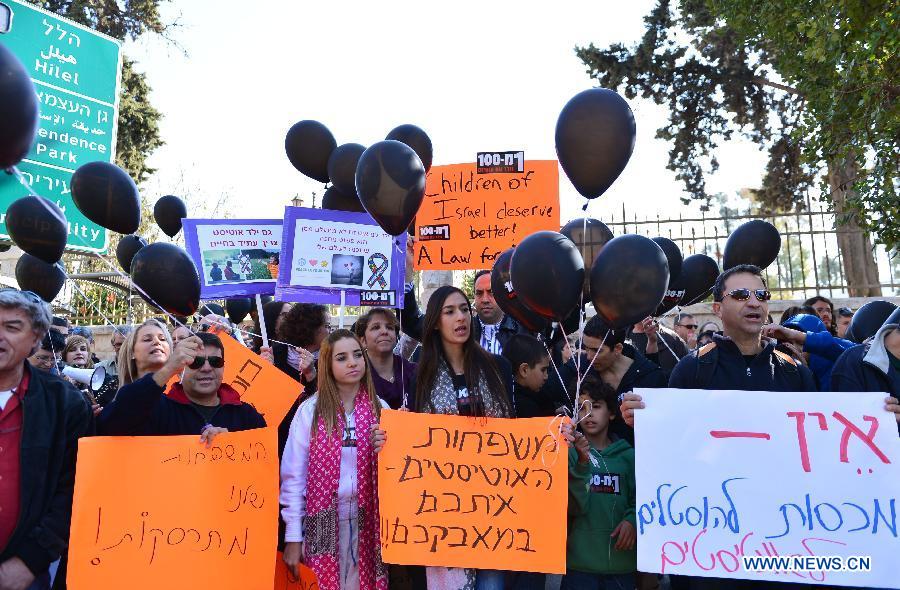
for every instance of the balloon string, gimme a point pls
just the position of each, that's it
(553, 363)
(596, 354)
(666, 344)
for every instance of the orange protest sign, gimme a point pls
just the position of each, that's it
(467, 492)
(259, 382)
(467, 219)
(152, 510)
(271, 391)
(284, 580)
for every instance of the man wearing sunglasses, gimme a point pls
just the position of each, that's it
(686, 326)
(740, 358)
(200, 404)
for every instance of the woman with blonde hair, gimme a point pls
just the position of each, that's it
(145, 351)
(328, 474)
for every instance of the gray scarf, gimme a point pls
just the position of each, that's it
(443, 395)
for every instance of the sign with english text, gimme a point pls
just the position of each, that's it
(468, 218)
(789, 487)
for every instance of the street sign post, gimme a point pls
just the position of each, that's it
(76, 72)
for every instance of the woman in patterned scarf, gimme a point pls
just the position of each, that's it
(328, 474)
(457, 376)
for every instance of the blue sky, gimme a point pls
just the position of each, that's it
(477, 76)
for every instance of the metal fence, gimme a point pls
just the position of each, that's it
(809, 263)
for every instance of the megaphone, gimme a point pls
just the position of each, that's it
(93, 378)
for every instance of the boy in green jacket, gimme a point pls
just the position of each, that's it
(601, 551)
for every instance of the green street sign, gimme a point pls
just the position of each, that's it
(76, 72)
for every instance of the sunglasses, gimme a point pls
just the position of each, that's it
(744, 294)
(688, 326)
(216, 362)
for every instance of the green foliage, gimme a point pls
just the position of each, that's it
(815, 82)
(138, 125)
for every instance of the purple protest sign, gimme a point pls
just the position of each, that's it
(234, 257)
(326, 252)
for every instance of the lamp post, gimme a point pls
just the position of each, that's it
(296, 201)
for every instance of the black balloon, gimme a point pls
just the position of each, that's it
(547, 273)
(238, 308)
(127, 248)
(342, 167)
(629, 280)
(168, 277)
(335, 200)
(168, 213)
(108, 196)
(38, 227)
(308, 145)
(390, 182)
(596, 232)
(589, 236)
(756, 242)
(415, 138)
(698, 275)
(673, 255)
(19, 113)
(594, 139)
(674, 292)
(868, 319)
(212, 308)
(508, 300)
(33, 274)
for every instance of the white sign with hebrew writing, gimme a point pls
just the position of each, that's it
(789, 480)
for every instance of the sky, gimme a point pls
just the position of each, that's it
(476, 76)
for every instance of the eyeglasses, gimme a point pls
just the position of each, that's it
(744, 294)
(688, 326)
(216, 362)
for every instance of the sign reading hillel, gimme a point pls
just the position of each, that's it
(768, 486)
(473, 492)
(76, 72)
(467, 219)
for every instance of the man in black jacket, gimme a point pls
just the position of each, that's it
(873, 366)
(739, 359)
(41, 419)
(198, 404)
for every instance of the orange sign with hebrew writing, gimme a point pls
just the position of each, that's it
(259, 382)
(467, 219)
(468, 492)
(285, 580)
(152, 510)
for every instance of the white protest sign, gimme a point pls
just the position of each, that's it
(726, 474)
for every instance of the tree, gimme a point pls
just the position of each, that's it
(814, 82)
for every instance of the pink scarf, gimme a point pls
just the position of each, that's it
(320, 545)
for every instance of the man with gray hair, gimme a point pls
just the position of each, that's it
(37, 447)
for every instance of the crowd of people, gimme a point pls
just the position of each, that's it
(468, 358)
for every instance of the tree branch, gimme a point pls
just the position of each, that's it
(766, 82)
